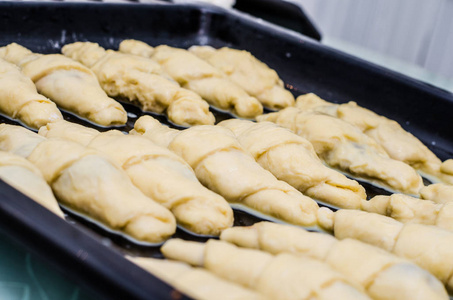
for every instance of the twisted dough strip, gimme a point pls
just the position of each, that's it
(223, 166)
(195, 74)
(427, 246)
(195, 282)
(343, 146)
(283, 276)
(381, 274)
(292, 159)
(397, 142)
(25, 177)
(158, 173)
(255, 77)
(69, 84)
(438, 192)
(20, 100)
(87, 181)
(407, 209)
(141, 80)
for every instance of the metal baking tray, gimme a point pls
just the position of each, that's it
(93, 257)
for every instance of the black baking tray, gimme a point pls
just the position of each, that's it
(93, 258)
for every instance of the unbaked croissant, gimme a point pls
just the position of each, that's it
(427, 246)
(223, 166)
(381, 274)
(397, 142)
(69, 84)
(291, 158)
(158, 173)
(195, 282)
(343, 146)
(87, 181)
(195, 74)
(255, 77)
(20, 100)
(25, 177)
(438, 192)
(407, 209)
(141, 80)
(284, 276)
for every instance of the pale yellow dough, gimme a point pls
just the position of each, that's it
(87, 181)
(283, 276)
(407, 209)
(20, 100)
(397, 142)
(224, 167)
(141, 80)
(427, 246)
(195, 282)
(26, 178)
(438, 192)
(69, 84)
(158, 173)
(343, 146)
(291, 158)
(195, 74)
(379, 273)
(254, 76)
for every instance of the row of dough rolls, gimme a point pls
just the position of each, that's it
(87, 181)
(425, 245)
(283, 276)
(69, 84)
(380, 274)
(157, 172)
(222, 165)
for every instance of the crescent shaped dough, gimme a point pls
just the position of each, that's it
(195, 74)
(427, 246)
(343, 146)
(407, 209)
(20, 100)
(159, 173)
(283, 276)
(381, 274)
(397, 142)
(25, 177)
(292, 159)
(244, 69)
(141, 80)
(195, 282)
(68, 83)
(83, 179)
(224, 167)
(438, 192)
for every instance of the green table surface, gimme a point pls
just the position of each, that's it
(24, 276)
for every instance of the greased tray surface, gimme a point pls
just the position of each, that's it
(93, 257)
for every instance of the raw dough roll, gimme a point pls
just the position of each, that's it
(397, 142)
(407, 209)
(68, 83)
(284, 276)
(438, 192)
(158, 173)
(344, 147)
(141, 80)
(427, 246)
(195, 74)
(26, 178)
(223, 166)
(381, 274)
(292, 159)
(85, 180)
(195, 282)
(254, 76)
(20, 100)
